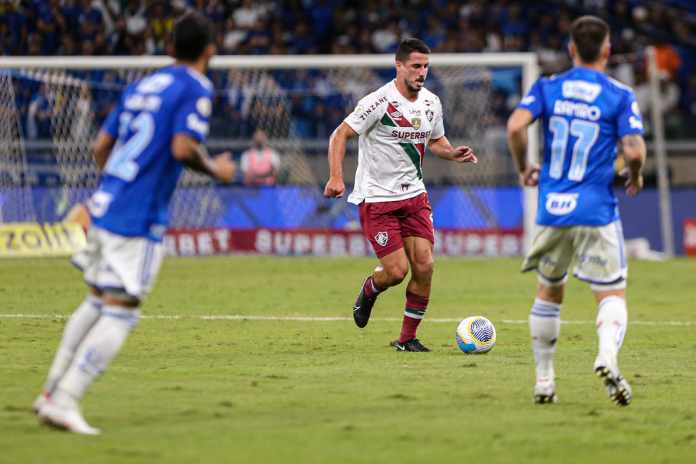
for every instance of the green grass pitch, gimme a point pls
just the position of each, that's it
(196, 390)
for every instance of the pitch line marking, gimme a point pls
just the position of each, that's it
(242, 317)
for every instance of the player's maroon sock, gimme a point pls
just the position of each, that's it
(415, 310)
(370, 288)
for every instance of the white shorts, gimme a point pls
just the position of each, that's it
(597, 252)
(125, 266)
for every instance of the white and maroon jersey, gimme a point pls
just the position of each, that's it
(393, 135)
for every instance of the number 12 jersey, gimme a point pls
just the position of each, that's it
(141, 174)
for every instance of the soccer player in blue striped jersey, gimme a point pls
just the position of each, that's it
(585, 114)
(156, 129)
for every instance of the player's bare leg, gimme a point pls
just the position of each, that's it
(77, 327)
(98, 348)
(391, 271)
(544, 328)
(419, 252)
(612, 318)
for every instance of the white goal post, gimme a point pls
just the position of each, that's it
(454, 73)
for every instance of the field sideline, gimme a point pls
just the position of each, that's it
(249, 359)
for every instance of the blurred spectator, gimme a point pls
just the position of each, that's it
(160, 24)
(386, 38)
(39, 115)
(82, 123)
(233, 37)
(135, 27)
(246, 15)
(260, 163)
(669, 98)
(667, 59)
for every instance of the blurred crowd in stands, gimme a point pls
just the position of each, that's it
(312, 103)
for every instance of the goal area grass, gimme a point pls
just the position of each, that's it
(257, 360)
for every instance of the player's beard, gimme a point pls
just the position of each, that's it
(413, 87)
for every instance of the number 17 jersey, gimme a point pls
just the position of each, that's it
(584, 114)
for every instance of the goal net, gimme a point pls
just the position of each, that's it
(53, 107)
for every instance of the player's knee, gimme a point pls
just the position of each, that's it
(423, 265)
(397, 272)
(423, 269)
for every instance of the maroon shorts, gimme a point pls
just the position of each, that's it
(385, 224)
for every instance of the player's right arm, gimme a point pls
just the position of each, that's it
(364, 116)
(634, 152)
(517, 125)
(106, 139)
(529, 109)
(630, 129)
(335, 187)
(102, 148)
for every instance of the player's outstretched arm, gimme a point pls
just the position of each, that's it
(335, 187)
(442, 148)
(101, 149)
(517, 125)
(195, 156)
(634, 152)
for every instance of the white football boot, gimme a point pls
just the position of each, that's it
(545, 391)
(66, 418)
(607, 369)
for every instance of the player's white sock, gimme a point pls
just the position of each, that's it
(98, 349)
(612, 318)
(544, 327)
(77, 327)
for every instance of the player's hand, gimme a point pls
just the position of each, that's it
(334, 188)
(225, 167)
(530, 176)
(464, 154)
(633, 185)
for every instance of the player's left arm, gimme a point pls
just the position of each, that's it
(442, 148)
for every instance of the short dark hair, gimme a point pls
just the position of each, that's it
(410, 45)
(588, 34)
(191, 34)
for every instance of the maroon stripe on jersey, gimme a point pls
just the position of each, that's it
(397, 116)
(421, 150)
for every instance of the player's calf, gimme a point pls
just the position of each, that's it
(365, 301)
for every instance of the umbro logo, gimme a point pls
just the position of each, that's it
(356, 308)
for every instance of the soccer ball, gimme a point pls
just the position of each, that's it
(475, 334)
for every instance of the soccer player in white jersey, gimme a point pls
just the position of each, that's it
(395, 124)
(585, 114)
(156, 129)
